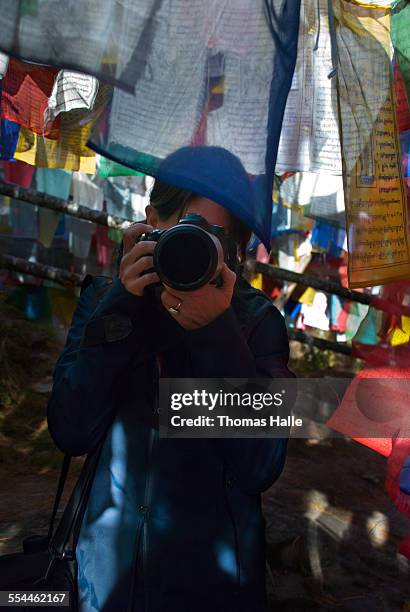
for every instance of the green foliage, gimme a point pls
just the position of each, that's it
(312, 362)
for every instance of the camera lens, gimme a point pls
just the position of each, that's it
(187, 257)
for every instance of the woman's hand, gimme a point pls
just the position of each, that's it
(137, 259)
(193, 309)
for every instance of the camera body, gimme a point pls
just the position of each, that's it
(192, 253)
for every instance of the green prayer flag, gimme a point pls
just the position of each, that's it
(107, 167)
(29, 8)
(400, 36)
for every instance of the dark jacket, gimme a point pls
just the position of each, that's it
(175, 524)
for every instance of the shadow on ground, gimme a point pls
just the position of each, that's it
(330, 503)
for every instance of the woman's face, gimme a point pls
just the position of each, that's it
(211, 211)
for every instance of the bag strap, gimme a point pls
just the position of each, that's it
(74, 511)
(60, 488)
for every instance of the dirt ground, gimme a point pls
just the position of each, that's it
(331, 495)
(330, 506)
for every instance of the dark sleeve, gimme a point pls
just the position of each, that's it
(104, 339)
(220, 350)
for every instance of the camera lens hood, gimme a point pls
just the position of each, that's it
(188, 257)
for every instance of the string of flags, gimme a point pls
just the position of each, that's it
(287, 107)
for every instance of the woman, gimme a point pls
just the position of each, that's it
(171, 524)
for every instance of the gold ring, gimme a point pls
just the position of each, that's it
(175, 309)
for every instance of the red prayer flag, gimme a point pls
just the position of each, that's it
(25, 92)
(402, 104)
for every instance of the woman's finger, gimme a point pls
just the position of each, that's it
(168, 299)
(148, 279)
(138, 285)
(178, 295)
(228, 278)
(131, 233)
(137, 251)
(136, 269)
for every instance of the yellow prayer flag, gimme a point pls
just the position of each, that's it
(398, 336)
(46, 153)
(307, 296)
(70, 150)
(375, 197)
(256, 281)
(405, 324)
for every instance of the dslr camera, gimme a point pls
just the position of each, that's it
(192, 253)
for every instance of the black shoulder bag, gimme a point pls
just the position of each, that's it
(48, 563)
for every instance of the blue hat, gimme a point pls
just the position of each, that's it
(217, 174)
